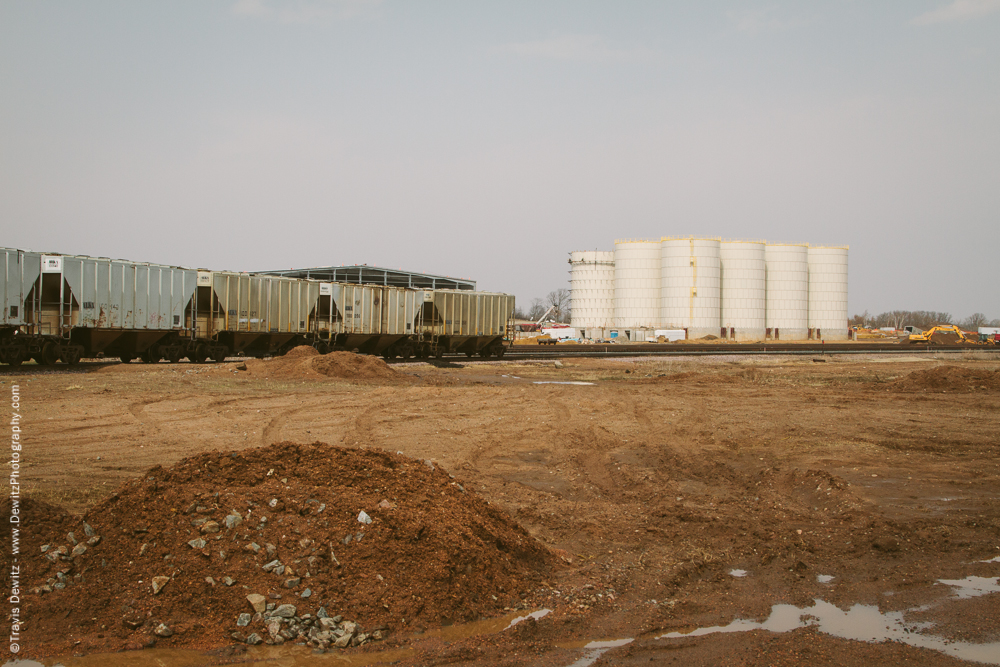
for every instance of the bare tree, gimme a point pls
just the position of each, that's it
(861, 320)
(974, 321)
(559, 301)
(537, 309)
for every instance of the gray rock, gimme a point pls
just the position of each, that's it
(87, 530)
(210, 581)
(279, 570)
(327, 623)
(243, 620)
(273, 627)
(241, 367)
(271, 549)
(46, 547)
(429, 464)
(59, 585)
(364, 518)
(71, 537)
(198, 543)
(272, 565)
(210, 527)
(254, 639)
(162, 630)
(307, 593)
(285, 611)
(343, 642)
(233, 520)
(358, 536)
(78, 550)
(94, 541)
(228, 581)
(557, 364)
(200, 521)
(159, 583)
(272, 503)
(322, 613)
(257, 601)
(292, 582)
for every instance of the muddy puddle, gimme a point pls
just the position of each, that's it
(287, 655)
(866, 623)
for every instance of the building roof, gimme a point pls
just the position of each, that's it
(374, 275)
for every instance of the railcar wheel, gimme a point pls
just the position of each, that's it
(126, 358)
(150, 356)
(71, 355)
(438, 351)
(485, 353)
(500, 351)
(470, 354)
(15, 356)
(174, 356)
(199, 355)
(405, 353)
(49, 354)
(220, 355)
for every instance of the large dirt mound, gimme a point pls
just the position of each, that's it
(948, 378)
(304, 362)
(282, 522)
(354, 366)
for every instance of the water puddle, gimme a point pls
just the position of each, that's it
(972, 587)
(860, 622)
(541, 613)
(587, 384)
(595, 649)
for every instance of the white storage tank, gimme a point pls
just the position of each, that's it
(744, 284)
(787, 315)
(828, 292)
(690, 285)
(637, 284)
(592, 288)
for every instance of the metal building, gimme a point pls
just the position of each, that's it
(744, 284)
(690, 286)
(828, 292)
(787, 267)
(592, 288)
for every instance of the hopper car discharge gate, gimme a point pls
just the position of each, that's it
(64, 307)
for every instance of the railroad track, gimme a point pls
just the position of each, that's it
(694, 349)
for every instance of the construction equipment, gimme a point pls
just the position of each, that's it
(928, 336)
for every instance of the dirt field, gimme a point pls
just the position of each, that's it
(671, 494)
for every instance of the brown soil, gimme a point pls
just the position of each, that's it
(354, 366)
(305, 363)
(432, 550)
(653, 483)
(949, 378)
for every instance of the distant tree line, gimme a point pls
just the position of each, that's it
(924, 319)
(558, 300)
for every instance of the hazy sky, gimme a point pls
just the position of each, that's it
(489, 139)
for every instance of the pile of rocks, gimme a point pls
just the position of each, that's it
(282, 623)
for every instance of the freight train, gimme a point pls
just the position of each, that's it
(69, 307)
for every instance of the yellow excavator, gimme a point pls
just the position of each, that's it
(925, 336)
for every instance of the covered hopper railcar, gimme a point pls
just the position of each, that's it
(67, 307)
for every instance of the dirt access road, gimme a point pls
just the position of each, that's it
(676, 493)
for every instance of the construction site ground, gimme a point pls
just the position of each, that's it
(669, 494)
